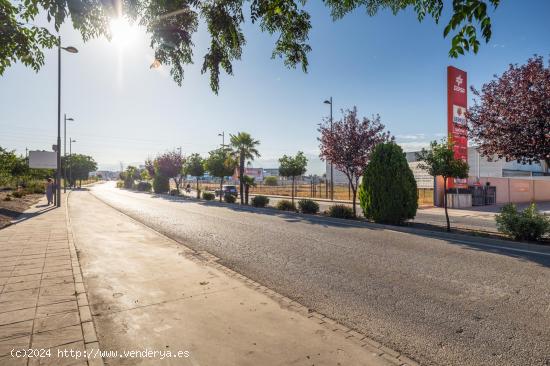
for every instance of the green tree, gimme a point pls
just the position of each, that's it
(170, 25)
(248, 182)
(194, 166)
(220, 164)
(244, 148)
(79, 167)
(388, 192)
(292, 167)
(270, 181)
(440, 160)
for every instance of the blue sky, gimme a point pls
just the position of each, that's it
(390, 65)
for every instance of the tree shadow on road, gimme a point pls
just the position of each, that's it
(523, 251)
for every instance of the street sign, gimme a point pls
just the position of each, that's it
(43, 159)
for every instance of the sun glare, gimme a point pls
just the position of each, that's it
(123, 33)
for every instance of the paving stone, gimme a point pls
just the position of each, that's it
(60, 289)
(85, 314)
(17, 316)
(62, 307)
(13, 361)
(89, 332)
(16, 330)
(19, 295)
(22, 286)
(57, 337)
(12, 305)
(56, 321)
(53, 299)
(7, 345)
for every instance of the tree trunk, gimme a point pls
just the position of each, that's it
(445, 203)
(241, 174)
(198, 192)
(221, 186)
(354, 195)
(246, 189)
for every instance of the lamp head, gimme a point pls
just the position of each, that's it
(327, 102)
(70, 49)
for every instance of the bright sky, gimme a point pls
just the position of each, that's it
(390, 65)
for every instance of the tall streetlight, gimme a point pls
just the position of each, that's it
(71, 158)
(65, 119)
(69, 49)
(329, 101)
(222, 135)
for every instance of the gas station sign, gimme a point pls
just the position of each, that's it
(457, 104)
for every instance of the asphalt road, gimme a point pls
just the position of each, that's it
(439, 302)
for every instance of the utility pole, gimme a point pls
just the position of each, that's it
(331, 168)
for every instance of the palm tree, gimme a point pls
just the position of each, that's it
(244, 148)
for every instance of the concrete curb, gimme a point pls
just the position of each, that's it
(86, 319)
(205, 257)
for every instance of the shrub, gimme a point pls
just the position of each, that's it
(229, 198)
(119, 184)
(161, 184)
(270, 181)
(174, 192)
(35, 187)
(259, 201)
(340, 211)
(209, 196)
(144, 187)
(286, 205)
(528, 224)
(308, 206)
(128, 183)
(7, 198)
(18, 194)
(388, 192)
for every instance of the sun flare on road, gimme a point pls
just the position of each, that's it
(123, 33)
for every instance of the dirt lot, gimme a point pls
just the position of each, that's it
(10, 210)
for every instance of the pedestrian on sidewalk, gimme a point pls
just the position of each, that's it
(49, 191)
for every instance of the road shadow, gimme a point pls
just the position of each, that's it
(529, 252)
(20, 217)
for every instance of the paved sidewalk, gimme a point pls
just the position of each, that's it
(150, 293)
(43, 303)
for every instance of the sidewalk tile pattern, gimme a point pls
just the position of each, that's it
(40, 292)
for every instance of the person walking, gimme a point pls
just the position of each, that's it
(49, 191)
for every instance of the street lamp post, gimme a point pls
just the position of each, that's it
(65, 119)
(222, 135)
(69, 49)
(70, 156)
(329, 101)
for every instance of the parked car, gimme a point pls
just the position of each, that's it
(227, 189)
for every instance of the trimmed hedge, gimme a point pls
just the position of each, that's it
(388, 192)
(229, 198)
(259, 201)
(286, 205)
(308, 206)
(144, 187)
(209, 196)
(340, 212)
